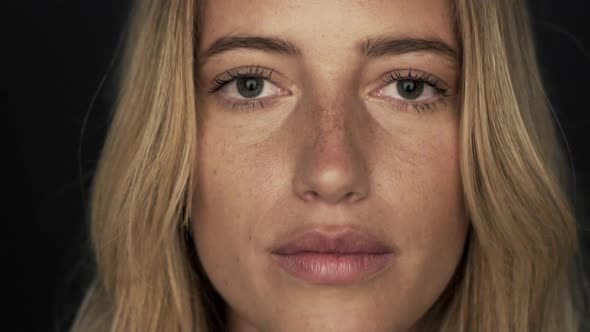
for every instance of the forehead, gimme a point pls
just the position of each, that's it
(311, 23)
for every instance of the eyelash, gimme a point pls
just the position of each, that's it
(417, 76)
(254, 71)
(234, 74)
(388, 78)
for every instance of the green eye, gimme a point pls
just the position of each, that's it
(249, 87)
(410, 89)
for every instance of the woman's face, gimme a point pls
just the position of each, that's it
(328, 190)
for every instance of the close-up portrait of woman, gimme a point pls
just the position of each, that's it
(332, 166)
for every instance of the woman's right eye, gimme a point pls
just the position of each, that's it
(249, 87)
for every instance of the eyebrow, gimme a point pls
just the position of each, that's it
(266, 44)
(375, 47)
(372, 47)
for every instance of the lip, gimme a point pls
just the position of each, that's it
(344, 241)
(333, 258)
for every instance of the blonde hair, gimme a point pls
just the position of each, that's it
(518, 270)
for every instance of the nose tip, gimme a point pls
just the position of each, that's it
(337, 176)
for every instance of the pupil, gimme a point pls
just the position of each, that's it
(410, 89)
(249, 87)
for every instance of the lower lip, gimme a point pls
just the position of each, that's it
(333, 269)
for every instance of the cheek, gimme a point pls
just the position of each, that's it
(234, 183)
(420, 180)
(440, 223)
(425, 197)
(234, 179)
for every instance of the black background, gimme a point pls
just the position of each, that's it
(61, 70)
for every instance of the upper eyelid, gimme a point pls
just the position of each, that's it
(246, 71)
(415, 74)
(232, 74)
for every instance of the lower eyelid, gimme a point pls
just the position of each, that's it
(250, 104)
(379, 93)
(236, 103)
(439, 100)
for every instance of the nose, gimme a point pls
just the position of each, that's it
(331, 167)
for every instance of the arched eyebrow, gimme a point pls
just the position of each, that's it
(371, 47)
(265, 44)
(374, 47)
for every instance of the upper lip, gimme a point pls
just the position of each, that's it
(348, 241)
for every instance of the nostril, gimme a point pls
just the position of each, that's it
(311, 195)
(348, 196)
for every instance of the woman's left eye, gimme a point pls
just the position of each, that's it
(409, 90)
(249, 87)
(410, 87)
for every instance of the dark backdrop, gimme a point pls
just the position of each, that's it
(61, 92)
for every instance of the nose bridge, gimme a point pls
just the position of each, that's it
(330, 120)
(332, 165)
(331, 125)
(332, 107)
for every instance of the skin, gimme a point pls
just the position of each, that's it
(323, 151)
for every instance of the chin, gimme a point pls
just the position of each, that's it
(338, 318)
(339, 324)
